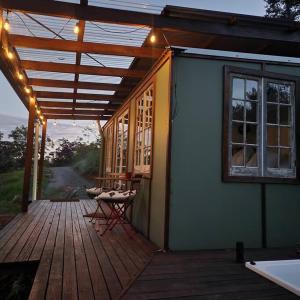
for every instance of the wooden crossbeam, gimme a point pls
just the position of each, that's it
(83, 69)
(83, 47)
(80, 96)
(87, 112)
(199, 21)
(79, 85)
(76, 117)
(77, 105)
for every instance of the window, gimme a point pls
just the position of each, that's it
(108, 149)
(122, 143)
(143, 132)
(261, 129)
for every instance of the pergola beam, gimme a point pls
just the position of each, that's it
(54, 104)
(79, 85)
(76, 117)
(79, 96)
(82, 69)
(205, 22)
(55, 111)
(82, 47)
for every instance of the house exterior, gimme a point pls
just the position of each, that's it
(215, 139)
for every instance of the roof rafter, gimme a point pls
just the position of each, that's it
(82, 69)
(83, 47)
(86, 112)
(53, 104)
(79, 96)
(76, 117)
(79, 85)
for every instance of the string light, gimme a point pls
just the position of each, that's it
(44, 122)
(27, 90)
(76, 28)
(42, 117)
(38, 111)
(54, 123)
(152, 38)
(20, 76)
(10, 55)
(74, 123)
(6, 25)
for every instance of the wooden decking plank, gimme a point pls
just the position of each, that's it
(13, 222)
(37, 251)
(29, 237)
(28, 219)
(69, 290)
(85, 289)
(54, 289)
(115, 260)
(112, 281)
(39, 288)
(20, 223)
(97, 278)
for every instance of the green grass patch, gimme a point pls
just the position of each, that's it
(11, 185)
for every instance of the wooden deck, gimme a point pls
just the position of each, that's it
(75, 262)
(207, 275)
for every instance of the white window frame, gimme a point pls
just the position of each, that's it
(262, 170)
(143, 131)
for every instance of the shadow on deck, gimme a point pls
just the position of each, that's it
(75, 262)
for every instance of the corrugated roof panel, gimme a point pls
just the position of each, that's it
(50, 75)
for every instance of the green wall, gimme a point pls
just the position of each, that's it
(206, 213)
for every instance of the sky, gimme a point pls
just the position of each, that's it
(12, 106)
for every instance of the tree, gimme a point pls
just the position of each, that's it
(19, 139)
(285, 9)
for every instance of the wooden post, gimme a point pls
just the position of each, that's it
(28, 156)
(41, 162)
(101, 154)
(35, 161)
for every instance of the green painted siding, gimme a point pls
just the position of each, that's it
(205, 212)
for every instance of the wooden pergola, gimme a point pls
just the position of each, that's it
(80, 62)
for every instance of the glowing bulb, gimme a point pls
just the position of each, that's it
(20, 76)
(152, 38)
(10, 55)
(6, 25)
(38, 111)
(27, 90)
(41, 117)
(54, 123)
(74, 123)
(44, 122)
(76, 28)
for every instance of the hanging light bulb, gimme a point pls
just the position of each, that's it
(27, 90)
(6, 25)
(38, 111)
(20, 76)
(54, 123)
(43, 122)
(10, 55)
(74, 123)
(42, 117)
(152, 38)
(76, 28)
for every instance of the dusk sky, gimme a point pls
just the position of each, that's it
(11, 105)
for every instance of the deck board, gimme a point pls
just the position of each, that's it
(207, 275)
(75, 262)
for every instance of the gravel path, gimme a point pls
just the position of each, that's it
(66, 183)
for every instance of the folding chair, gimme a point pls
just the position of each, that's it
(118, 204)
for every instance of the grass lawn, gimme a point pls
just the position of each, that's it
(11, 184)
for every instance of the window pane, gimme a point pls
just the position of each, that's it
(237, 155)
(237, 132)
(251, 89)
(251, 134)
(251, 111)
(238, 88)
(272, 92)
(285, 115)
(285, 136)
(285, 93)
(285, 158)
(272, 136)
(251, 156)
(272, 117)
(272, 157)
(238, 110)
